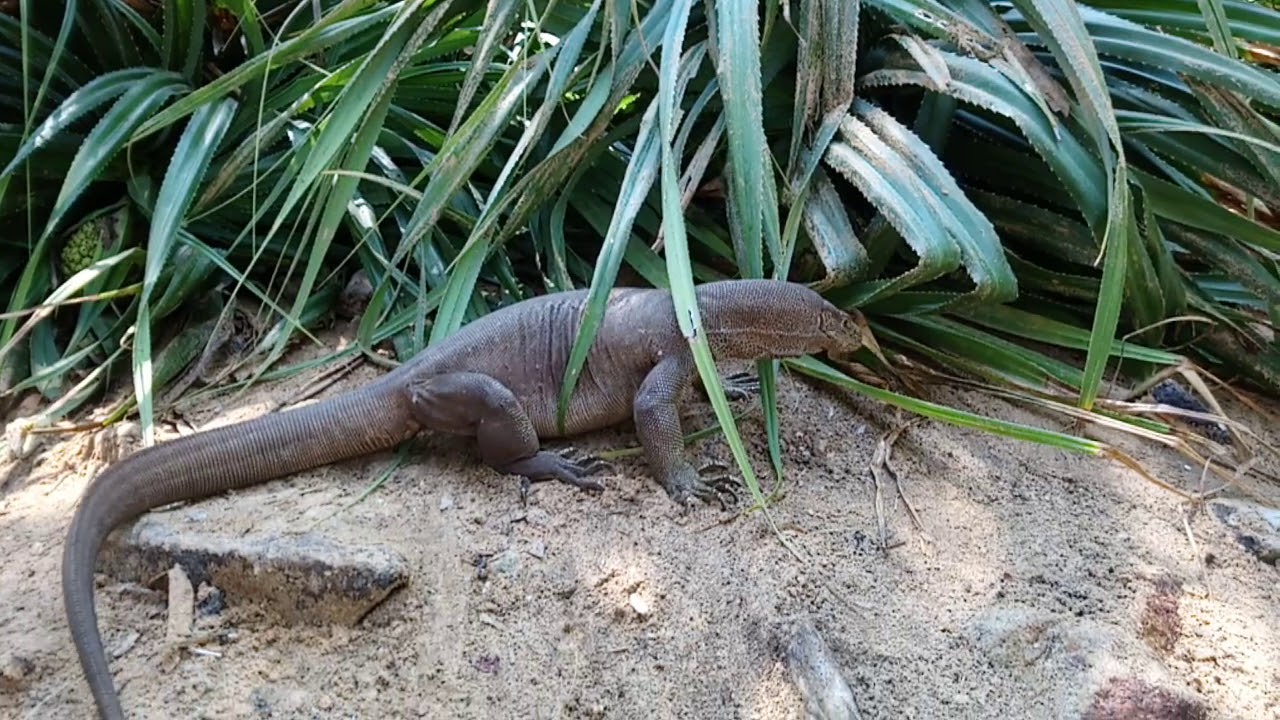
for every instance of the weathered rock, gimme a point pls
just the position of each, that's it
(1161, 622)
(15, 672)
(1087, 669)
(1127, 698)
(296, 579)
(182, 603)
(355, 296)
(640, 605)
(506, 563)
(814, 670)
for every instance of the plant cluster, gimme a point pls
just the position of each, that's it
(989, 182)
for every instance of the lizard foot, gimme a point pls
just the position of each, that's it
(584, 464)
(565, 465)
(717, 477)
(708, 483)
(740, 386)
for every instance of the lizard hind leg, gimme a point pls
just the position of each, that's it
(465, 403)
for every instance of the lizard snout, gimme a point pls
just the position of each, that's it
(844, 330)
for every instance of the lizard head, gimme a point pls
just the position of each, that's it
(842, 329)
(751, 319)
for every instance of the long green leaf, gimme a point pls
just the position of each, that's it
(979, 84)
(1059, 26)
(738, 68)
(817, 369)
(334, 27)
(498, 15)
(463, 151)
(679, 266)
(1173, 203)
(97, 92)
(1246, 19)
(642, 170)
(138, 101)
(1124, 39)
(190, 160)
(983, 256)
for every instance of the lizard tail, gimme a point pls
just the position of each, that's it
(358, 423)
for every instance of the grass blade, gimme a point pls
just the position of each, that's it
(190, 160)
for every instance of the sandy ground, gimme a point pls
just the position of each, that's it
(1036, 578)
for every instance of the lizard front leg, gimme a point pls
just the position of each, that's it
(657, 417)
(465, 403)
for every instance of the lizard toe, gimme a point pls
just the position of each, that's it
(582, 463)
(560, 466)
(708, 484)
(709, 495)
(592, 466)
(586, 484)
(741, 386)
(718, 474)
(718, 483)
(681, 485)
(720, 491)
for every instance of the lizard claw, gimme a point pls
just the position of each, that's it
(710, 483)
(740, 386)
(719, 483)
(584, 464)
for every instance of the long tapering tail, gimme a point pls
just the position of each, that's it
(358, 423)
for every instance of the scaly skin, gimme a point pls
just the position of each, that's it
(498, 380)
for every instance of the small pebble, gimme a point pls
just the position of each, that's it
(14, 672)
(488, 664)
(537, 517)
(640, 605)
(210, 601)
(505, 563)
(126, 644)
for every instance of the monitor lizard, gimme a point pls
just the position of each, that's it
(497, 379)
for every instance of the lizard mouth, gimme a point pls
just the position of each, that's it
(843, 354)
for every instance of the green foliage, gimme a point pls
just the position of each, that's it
(981, 179)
